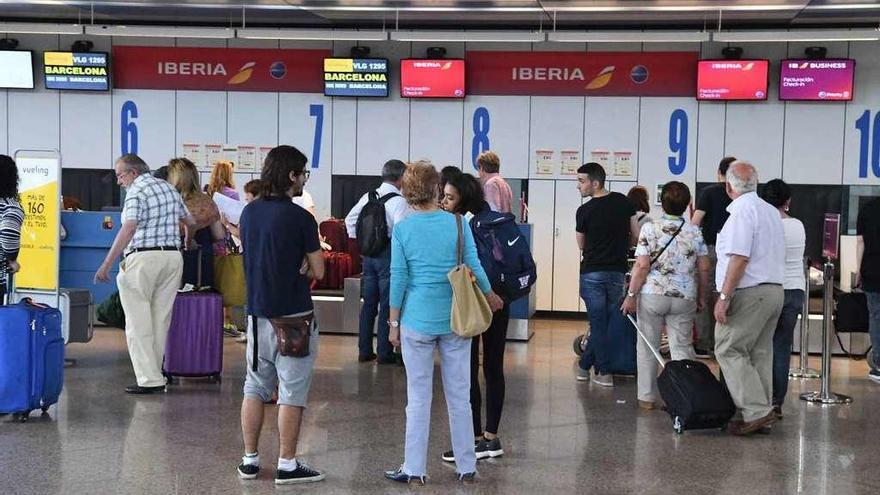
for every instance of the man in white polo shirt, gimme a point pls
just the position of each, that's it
(749, 276)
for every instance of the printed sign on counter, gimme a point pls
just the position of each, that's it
(247, 158)
(544, 162)
(623, 164)
(193, 152)
(261, 155)
(213, 153)
(571, 162)
(602, 157)
(39, 173)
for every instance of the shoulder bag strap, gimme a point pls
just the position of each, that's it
(256, 354)
(660, 253)
(460, 244)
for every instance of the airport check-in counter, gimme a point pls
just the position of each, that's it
(89, 237)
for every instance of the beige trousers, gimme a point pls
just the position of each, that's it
(744, 348)
(148, 283)
(655, 312)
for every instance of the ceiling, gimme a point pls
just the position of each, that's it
(456, 14)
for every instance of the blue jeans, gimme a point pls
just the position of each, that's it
(874, 325)
(783, 338)
(375, 288)
(455, 368)
(601, 292)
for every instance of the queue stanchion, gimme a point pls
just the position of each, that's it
(824, 395)
(803, 370)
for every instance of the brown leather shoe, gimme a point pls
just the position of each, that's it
(646, 405)
(745, 428)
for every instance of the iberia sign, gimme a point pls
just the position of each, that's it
(582, 73)
(219, 69)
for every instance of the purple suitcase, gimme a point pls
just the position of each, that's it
(195, 340)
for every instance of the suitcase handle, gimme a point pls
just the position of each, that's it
(645, 340)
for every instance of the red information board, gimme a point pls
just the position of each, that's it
(421, 78)
(732, 79)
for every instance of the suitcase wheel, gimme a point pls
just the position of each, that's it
(579, 343)
(45, 409)
(23, 416)
(169, 380)
(216, 379)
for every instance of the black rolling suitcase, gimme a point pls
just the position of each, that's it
(694, 398)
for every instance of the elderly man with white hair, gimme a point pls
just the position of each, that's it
(749, 276)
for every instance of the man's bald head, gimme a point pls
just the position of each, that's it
(742, 178)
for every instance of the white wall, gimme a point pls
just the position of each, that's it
(808, 143)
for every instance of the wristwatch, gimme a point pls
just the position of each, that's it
(724, 297)
(393, 324)
(630, 294)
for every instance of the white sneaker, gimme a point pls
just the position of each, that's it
(603, 380)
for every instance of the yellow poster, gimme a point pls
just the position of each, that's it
(40, 242)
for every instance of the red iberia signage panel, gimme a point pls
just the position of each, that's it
(219, 69)
(582, 73)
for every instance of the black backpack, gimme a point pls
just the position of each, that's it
(372, 226)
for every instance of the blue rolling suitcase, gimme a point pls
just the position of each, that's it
(31, 358)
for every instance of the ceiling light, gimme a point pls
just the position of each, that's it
(311, 34)
(39, 28)
(797, 35)
(628, 36)
(162, 31)
(470, 36)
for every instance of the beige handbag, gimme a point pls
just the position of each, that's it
(471, 314)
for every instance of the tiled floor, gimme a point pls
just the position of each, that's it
(560, 436)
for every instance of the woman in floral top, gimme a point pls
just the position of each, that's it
(665, 288)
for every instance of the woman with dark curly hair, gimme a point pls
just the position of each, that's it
(11, 218)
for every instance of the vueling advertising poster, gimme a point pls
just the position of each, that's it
(39, 188)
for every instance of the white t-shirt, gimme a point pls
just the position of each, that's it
(795, 243)
(305, 201)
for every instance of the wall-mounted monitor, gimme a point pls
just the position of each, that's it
(728, 80)
(16, 69)
(425, 78)
(817, 80)
(82, 71)
(363, 77)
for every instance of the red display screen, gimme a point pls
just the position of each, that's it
(421, 78)
(732, 80)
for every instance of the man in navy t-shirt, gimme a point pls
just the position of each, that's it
(277, 235)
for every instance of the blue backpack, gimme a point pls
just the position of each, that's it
(504, 253)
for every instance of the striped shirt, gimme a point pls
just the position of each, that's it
(157, 208)
(11, 218)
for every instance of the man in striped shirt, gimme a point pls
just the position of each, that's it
(151, 268)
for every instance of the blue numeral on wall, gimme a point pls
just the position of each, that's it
(129, 130)
(480, 142)
(678, 141)
(869, 140)
(317, 111)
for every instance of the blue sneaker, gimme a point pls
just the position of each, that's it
(399, 476)
(874, 375)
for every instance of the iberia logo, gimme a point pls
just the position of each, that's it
(446, 66)
(243, 74)
(749, 66)
(602, 79)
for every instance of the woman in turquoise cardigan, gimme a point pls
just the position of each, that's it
(423, 251)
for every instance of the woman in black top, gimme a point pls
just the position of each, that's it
(11, 218)
(463, 194)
